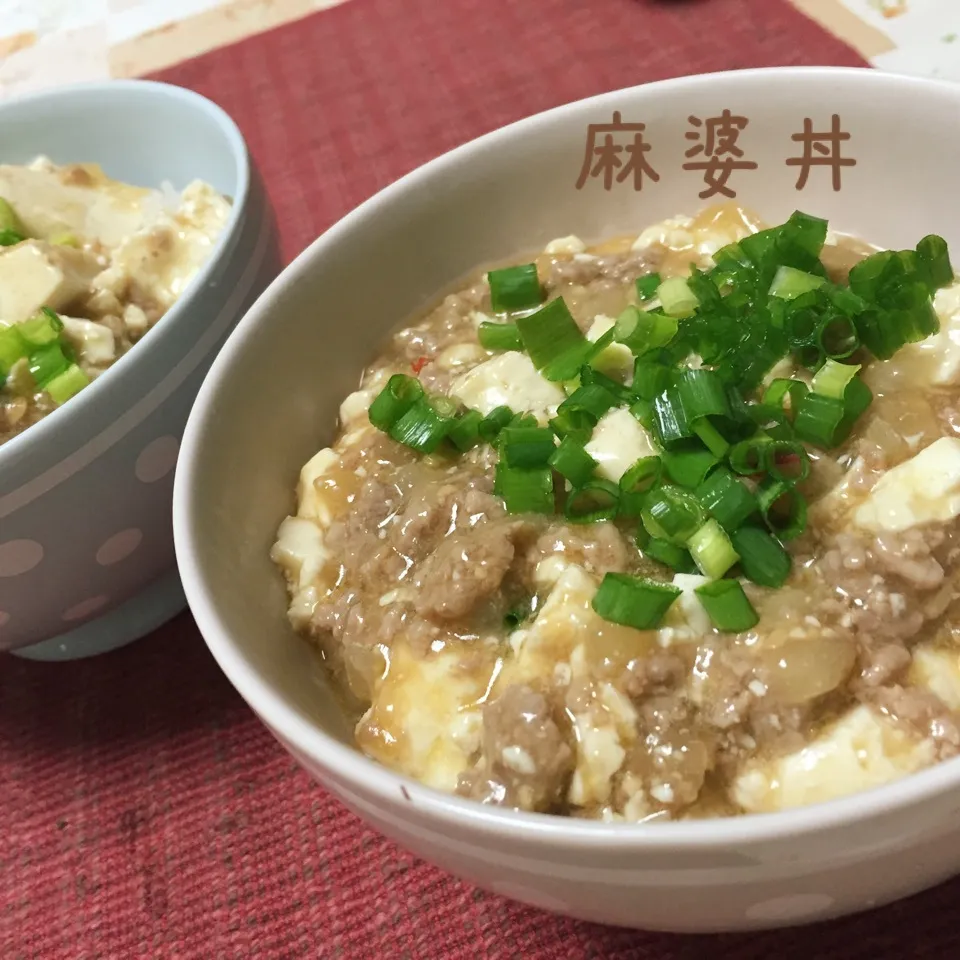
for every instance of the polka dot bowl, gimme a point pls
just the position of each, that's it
(510, 192)
(86, 545)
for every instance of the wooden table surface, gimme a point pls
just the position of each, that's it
(48, 42)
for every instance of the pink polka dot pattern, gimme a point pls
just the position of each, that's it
(118, 547)
(85, 608)
(157, 459)
(19, 556)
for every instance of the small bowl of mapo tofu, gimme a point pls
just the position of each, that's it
(87, 266)
(121, 271)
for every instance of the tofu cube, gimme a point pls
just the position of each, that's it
(33, 275)
(618, 442)
(508, 379)
(924, 489)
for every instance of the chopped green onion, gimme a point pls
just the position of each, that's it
(800, 327)
(555, 343)
(702, 393)
(523, 420)
(640, 536)
(845, 301)
(759, 246)
(67, 384)
(787, 460)
(42, 328)
(593, 401)
(732, 253)
(642, 411)
(750, 366)
(572, 462)
(633, 601)
(818, 420)
(636, 483)
(934, 256)
(394, 400)
(712, 439)
(740, 420)
(9, 219)
(650, 378)
(526, 446)
(837, 337)
(896, 288)
(499, 336)
(878, 334)
(491, 425)
(515, 617)
(12, 230)
(445, 406)
(711, 550)
(68, 350)
(612, 361)
(689, 465)
(676, 297)
(465, 433)
(575, 424)
(810, 355)
(832, 378)
(783, 508)
(805, 232)
(798, 243)
(782, 392)
(585, 357)
(856, 399)
(47, 362)
(727, 499)
(12, 348)
(593, 501)
(672, 513)
(772, 421)
(525, 489)
(669, 554)
(748, 456)
(789, 283)
(515, 288)
(647, 286)
(706, 288)
(669, 419)
(762, 558)
(424, 425)
(642, 331)
(591, 377)
(727, 606)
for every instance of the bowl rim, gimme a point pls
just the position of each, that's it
(350, 769)
(54, 426)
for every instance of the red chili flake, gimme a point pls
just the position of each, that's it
(419, 364)
(784, 461)
(788, 461)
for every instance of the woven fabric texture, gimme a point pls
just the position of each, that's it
(145, 811)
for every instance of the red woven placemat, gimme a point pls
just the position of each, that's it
(145, 812)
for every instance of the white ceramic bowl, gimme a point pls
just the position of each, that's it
(86, 541)
(507, 193)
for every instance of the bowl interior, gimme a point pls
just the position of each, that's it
(139, 132)
(272, 397)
